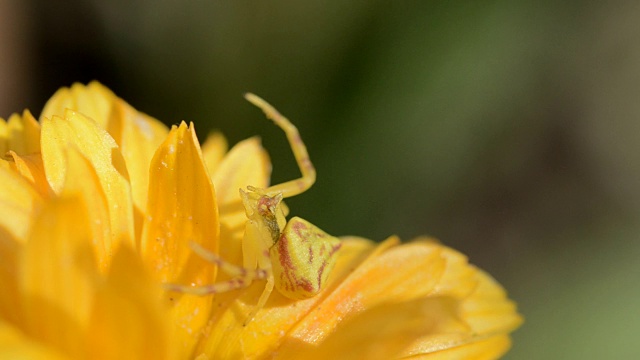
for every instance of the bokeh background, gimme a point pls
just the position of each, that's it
(509, 130)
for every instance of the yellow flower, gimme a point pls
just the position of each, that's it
(101, 205)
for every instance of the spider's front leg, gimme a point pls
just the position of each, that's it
(241, 277)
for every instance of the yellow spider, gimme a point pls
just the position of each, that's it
(295, 256)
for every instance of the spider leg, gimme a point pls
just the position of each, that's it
(233, 284)
(262, 300)
(296, 186)
(228, 268)
(241, 277)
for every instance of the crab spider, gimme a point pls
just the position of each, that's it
(295, 257)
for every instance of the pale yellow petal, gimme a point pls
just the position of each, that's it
(488, 310)
(181, 209)
(56, 273)
(20, 134)
(485, 309)
(97, 146)
(93, 100)
(82, 181)
(459, 279)
(247, 163)
(128, 319)
(31, 167)
(15, 345)
(19, 202)
(214, 150)
(138, 136)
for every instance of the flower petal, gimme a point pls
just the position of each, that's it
(9, 253)
(93, 100)
(247, 163)
(31, 167)
(486, 310)
(97, 146)
(483, 349)
(83, 181)
(391, 275)
(19, 201)
(228, 339)
(16, 346)
(20, 134)
(383, 331)
(55, 276)
(127, 314)
(138, 136)
(213, 151)
(181, 208)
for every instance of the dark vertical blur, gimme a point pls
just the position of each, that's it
(509, 130)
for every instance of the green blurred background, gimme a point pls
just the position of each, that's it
(510, 130)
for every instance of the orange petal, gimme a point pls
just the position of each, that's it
(381, 332)
(10, 250)
(97, 146)
(272, 324)
(56, 274)
(93, 100)
(401, 273)
(127, 314)
(181, 208)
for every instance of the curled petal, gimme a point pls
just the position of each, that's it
(486, 311)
